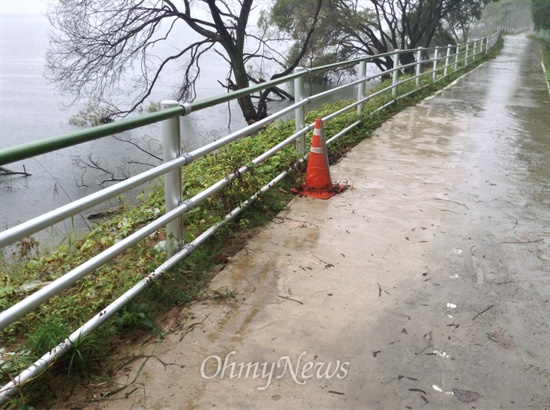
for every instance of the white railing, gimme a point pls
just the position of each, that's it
(442, 61)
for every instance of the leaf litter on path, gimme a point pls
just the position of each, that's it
(501, 337)
(466, 396)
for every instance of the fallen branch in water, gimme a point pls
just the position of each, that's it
(6, 171)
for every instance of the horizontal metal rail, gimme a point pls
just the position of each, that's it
(13, 154)
(64, 212)
(49, 358)
(32, 149)
(28, 150)
(20, 309)
(25, 151)
(36, 224)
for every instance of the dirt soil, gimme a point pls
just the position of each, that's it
(424, 285)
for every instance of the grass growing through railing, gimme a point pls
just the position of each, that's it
(44, 328)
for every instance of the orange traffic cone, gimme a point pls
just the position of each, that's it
(318, 183)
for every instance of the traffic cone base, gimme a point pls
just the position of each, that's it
(318, 183)
(324, 193)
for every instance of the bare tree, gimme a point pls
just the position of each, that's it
(103, 48)
(380, 26)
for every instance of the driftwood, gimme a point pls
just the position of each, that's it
(6, 171)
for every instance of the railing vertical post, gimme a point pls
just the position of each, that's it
(395, 77)
(447, 57)
(457, 56)
(299, 113)
(170, 129)
(361, 86)
(486, 48)
(418, 66)
(466, 55)
(434, 70)
(475, 50)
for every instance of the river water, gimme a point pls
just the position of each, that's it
(32, 109)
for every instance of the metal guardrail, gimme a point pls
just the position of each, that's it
(442, 61)
(514, 30)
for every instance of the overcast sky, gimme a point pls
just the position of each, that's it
(23, 6)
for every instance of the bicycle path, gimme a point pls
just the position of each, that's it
(424, 285)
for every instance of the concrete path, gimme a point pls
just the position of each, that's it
(425, 285)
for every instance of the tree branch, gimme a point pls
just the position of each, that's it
(6, 171)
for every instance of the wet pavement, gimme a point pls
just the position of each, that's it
(425, 285)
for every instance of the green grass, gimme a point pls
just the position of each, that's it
(543, 37)
(46, 326)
